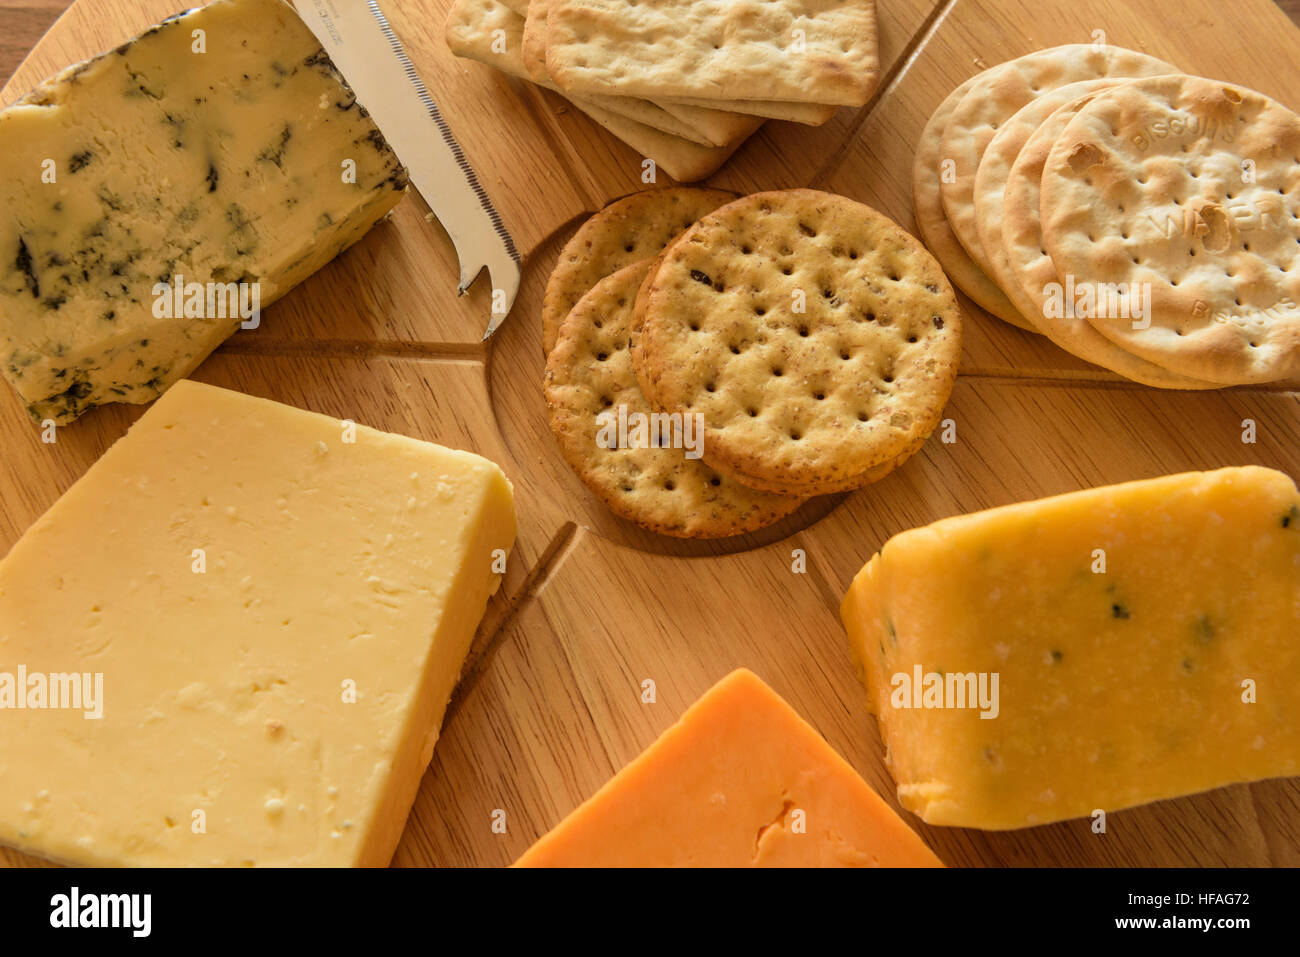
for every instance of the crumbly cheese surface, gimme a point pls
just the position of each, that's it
(160, 160)
(1146, 637)
(277, 616)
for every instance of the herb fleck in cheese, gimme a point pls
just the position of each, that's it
(219, 166)
(1174, 670)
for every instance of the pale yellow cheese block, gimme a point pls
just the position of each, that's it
(234, 568)
(1129, 628)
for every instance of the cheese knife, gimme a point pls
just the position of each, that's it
(362, 44)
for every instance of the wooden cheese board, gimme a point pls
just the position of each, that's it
(551, 703)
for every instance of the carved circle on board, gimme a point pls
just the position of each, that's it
(514, 369)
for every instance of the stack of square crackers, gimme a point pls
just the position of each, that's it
(1143, 219)
(683, 82)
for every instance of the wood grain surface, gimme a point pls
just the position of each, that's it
(550, 704)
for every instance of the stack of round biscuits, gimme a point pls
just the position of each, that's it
(1142, 219)
(806, 341)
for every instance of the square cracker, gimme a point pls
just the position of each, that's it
(805, 51)
(809, 114)
(471, 32)
(706, 125)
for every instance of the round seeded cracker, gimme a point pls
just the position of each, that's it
(818, 339)
(589, 372)
(995, 98)
(1187, 190)
(626, 231)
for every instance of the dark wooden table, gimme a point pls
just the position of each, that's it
(23, 21)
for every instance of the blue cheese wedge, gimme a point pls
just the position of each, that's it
(218, 152)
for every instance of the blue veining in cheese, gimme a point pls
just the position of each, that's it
(234, 154)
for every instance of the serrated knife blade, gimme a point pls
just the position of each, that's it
(362, 44)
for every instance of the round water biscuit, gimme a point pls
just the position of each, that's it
(1031, 276)
(1185, 192)
(996, 163)
(932, 222)
(996, 97)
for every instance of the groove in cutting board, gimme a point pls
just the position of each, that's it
(592, 606)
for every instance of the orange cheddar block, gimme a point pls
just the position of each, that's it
(740, 781)
(1092, 651)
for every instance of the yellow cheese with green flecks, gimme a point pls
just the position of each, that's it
(1145, 639)
(220, 146)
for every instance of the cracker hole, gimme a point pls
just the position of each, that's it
(602, 356)
(803, 332)
(715, 481)
(778, 372)
(753, 413)
(670, 486)
(807, 230)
